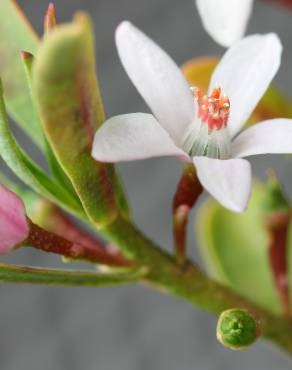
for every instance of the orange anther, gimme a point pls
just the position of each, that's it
(213, 110)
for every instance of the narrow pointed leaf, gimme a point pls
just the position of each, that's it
(28, 171)
(71, 110)
(50, 20)
(235, 249)
(31, 275)
(273, 104)
(15, 35)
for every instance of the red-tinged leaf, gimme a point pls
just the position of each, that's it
(50, 20)
(278, 228)
(71, 110)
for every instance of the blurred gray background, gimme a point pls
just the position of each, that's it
(133, 328)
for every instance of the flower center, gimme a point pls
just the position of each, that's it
(213, 110)
(208, 135)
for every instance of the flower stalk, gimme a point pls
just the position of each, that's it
(53, 219)
(47, 241)
(187, 193)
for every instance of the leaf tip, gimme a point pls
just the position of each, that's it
(25, 55)
(50, 20)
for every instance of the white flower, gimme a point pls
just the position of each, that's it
(196, 128)
(225, 20)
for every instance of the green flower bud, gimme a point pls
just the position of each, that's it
(237, 328)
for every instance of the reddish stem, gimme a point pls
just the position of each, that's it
(278, 227)
(287, 3)
(180, 222)
(56, 221)
(188, 191)
(53, 243)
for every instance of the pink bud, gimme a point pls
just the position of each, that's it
(14, 226)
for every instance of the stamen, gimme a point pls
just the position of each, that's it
(208, 135)
(213, 110)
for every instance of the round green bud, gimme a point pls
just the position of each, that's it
(237, 328)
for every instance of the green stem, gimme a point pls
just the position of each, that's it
(24, 274)
(189, 283)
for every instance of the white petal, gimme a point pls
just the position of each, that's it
(225, 20)
(272, 136)
(245, 72)
(158, 80)
(228, 181)
(132, 136)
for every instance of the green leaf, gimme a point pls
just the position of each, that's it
(18, 35)
(57, 172)
(68, 97)
(235, 249)
(15, 35)
(31, 275)
(273, 104)
(120, 195)
(28, 171)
